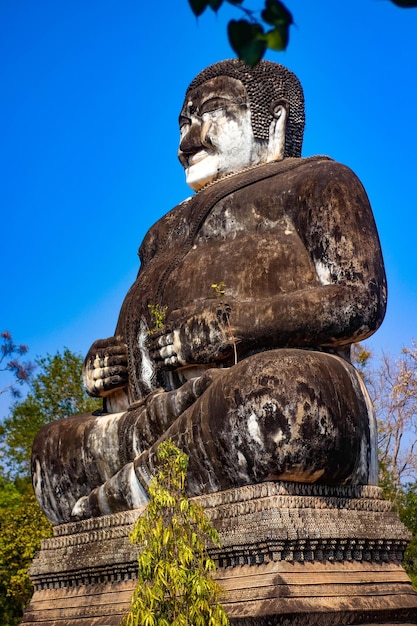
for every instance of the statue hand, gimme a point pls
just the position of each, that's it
(199, 339)
(105, 367)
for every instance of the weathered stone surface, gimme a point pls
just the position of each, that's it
(251, 379)
(292, 555)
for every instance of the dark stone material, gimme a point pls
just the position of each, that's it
(308, 430)
(251, 379)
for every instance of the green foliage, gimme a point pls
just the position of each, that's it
(219, 288)
(158, 314)
(55, 392)
(360, 357)
(407, 508)
(405, 4)
(247, 40)
(386, 481)
(251, 37)
(175, 585)
(22, 527)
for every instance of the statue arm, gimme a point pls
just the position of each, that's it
(348, 301)
(345, 303)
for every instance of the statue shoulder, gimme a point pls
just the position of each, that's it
(155, 238)
(324, 183)
(327, 171)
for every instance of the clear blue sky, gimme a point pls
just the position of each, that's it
(89, 101)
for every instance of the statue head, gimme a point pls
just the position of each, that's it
(234, 117)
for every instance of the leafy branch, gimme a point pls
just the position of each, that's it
(252, 36)
(175, 586)
(10, 362)
(158, 315)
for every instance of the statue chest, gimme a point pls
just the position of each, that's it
(256, 253)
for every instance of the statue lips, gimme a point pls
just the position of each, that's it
(197, 157)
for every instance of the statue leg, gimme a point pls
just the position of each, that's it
(73, 456)
(283, 414)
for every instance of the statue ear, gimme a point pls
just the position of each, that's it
(276, 143)
(278, 108)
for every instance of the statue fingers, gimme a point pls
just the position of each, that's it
(111, 343)
(107, 372)
(103, 349)
(167, 352)
(99, 362)
(172, 361)
(165, 340)
(116, 360)
(110, 383)
(162, 353)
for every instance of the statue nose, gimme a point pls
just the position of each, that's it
(191, 141)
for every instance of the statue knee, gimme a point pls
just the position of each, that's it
(289, 415)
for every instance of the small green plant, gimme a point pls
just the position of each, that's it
(223, 314)
(158, 314)
(175, 585)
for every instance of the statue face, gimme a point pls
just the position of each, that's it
(216, 132)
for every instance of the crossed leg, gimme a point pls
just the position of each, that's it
(283, 414)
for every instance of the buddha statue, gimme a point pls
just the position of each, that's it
(235, 338)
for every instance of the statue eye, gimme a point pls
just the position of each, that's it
(213, 105)
(184, 123)
(212, 113)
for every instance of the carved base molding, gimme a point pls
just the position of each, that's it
(292, 555)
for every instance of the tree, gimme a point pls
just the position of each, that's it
(393, 386)
(19, 371)
(252, 36)
(407, 508)
(55, 392)
(174, 586)
(22, 527)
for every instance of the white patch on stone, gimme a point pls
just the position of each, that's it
(103, 444)
(289, 228)
(242, 460)
(147, 371)
(253, 429)
(176, 347)
(323, 273)
(278, 436)
(49, 503)
(233, 147)
(102, 501)
(78, 508)
(138, 494)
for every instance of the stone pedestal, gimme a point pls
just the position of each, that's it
(292, 554)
